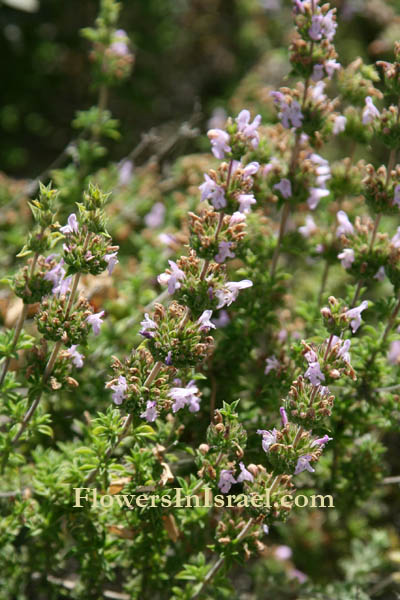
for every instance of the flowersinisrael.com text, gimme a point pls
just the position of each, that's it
(85, 497)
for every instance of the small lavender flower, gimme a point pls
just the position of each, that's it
(320, 442)
(314, 373)
(265, 529)
(231, 291)
(290, 115)
(168, 358)
(95, 321)
(268, 438)
(148, 326)
(323, 26)
(323, 170)
(394, 353)
(245, 201)
(155, 218)
(119, 46)
(331, 66)
(355, 315)
(213, 192)
(344, 351)
(345, 227)
(339, 124)
(222, 320)
(63, 286)
(226, 480)
(347, 257)
(72, 226)
(172, 279)
(396, 197)
(111, 260)
(370, 111)
(56, 274)
(244, 474)
(77, 357)
(284, 418)
(309, 228)
(318, 72)
(119, 390)
(219, 142)
(251, 168)
(249, 130)
(224, 252)
(272, 364)
(204, 320)
(125, 170)
(284, 187)
(315, 196)
(150, 414)
(395, 241)
(303, 464)
(186, 396)
(380, 274)
(283, 552)
(236, 218)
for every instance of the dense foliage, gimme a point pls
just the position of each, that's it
(224, 321)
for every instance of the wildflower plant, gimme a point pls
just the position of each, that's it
(240, 338)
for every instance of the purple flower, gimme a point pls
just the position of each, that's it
(111, 260)
(219, 142)
(56, 274)
(320, 442)
(168, 358)
(265, 529)
(72, 226)
(222, 320)
(119, 390)
(396, 197)
(187, 396)
(155, 217)
(268, 438)
(322, 170)
(323, 26)
(318, 72)
(251, 168)
(345, 227)
(317, 92)
(272, 364)
(303, 464)
(148, 326)
(380, 274)
(224, 252)
(290, 115)
(249, 130)
(395, 241)
(283, 552)
(236, 218)
(315, 196)
(314, 373)
(63, 286)
(150, 414)
(77, 357)
(331, 66)
(95, 321)
(213, 192)
(244, 474)
(309, 228)
(355, 315)
(339, 124)
(226, 480)
(204, 320)
(231, 291)
(394, 353)
(344, 351)
(284, 187)
(285, 420)
(370, 111)
(347, 257)
(172, 279)
(119, 45)
(245, 201)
